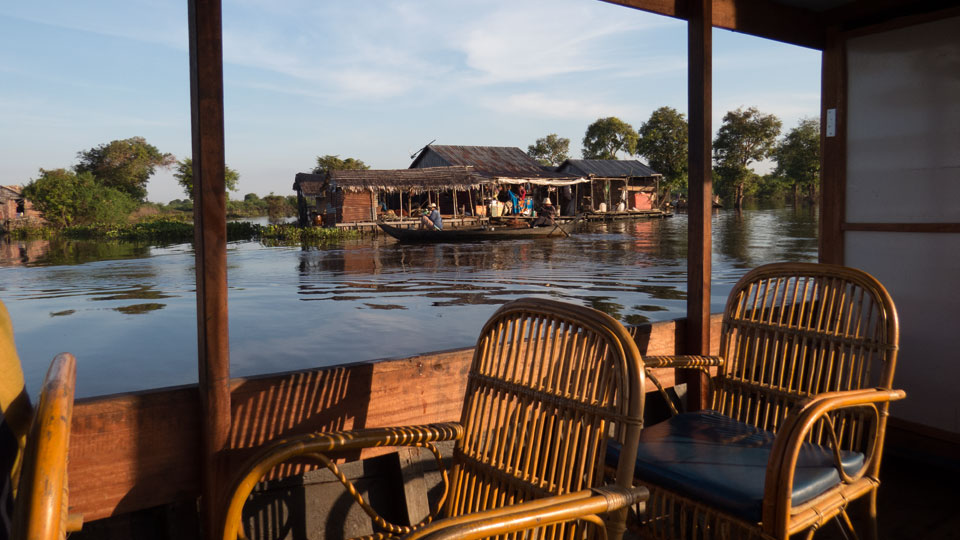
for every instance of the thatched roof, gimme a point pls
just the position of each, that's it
(392, 180)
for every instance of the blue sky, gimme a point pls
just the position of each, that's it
(373, 80)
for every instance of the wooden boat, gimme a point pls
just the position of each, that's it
(139, 461)
(474, 234)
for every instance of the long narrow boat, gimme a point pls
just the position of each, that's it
(474, 234)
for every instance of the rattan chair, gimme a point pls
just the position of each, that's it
(550, 385)
(33, 445)
(40, 506)
(799, 408)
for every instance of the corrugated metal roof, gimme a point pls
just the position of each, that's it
(12, 192)
(493, 161)
(607, 168)
(416, 180)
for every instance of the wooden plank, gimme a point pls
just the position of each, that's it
(833, 153)
(764, 19)
(140, 450)
(903, 227)
(700, 206)
(210, 243)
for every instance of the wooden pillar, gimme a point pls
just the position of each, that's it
(700, 98)
(210, 246)
(833, 155)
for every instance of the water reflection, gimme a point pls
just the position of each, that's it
(128, 310)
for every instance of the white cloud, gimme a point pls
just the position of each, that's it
(538, 104)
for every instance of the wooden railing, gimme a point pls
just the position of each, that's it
(138, 450)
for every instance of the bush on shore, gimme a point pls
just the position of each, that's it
(169, 229)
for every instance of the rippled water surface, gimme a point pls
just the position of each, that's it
(128, 312)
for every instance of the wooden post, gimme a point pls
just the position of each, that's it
(210, 246)
(700, 208)
(473, 208)
(833, 156)
(454, 203)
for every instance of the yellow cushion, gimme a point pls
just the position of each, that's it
(15, 409)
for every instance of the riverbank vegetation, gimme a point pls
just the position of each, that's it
(174, 230)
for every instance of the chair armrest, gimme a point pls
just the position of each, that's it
(702, 363)
(682, 361)
(580, 505)
(40, 509)
(798, 425)
(314, 445)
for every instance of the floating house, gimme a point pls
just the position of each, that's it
(355, 196)
(508, 166)
(615, 181)
(15, 209)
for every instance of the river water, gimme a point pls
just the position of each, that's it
(128, 311)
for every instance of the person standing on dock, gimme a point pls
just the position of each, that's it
(431, 219)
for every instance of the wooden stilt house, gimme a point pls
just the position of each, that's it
(15, 209)
(508, 166)
(613, 181)
(354, 196)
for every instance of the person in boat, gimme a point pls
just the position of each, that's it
(431, 218)
(547, 214)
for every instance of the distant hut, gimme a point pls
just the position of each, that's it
(15, 209)
(353, 196)
(507, 166)
(616, 181)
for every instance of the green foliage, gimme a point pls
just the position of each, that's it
(279, 206)
(607, 136)
(798, 156)
(334, 163)
(184, 176)
(551, 150)
(66, 198)
(125, 164)
(296, 234)
(663, 142)
(745, 137)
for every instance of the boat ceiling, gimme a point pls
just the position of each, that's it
(798, 22)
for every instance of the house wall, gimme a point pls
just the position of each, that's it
(903, 169)
(431, 159)
(357, 206)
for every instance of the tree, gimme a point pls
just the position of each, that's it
(125, 165)
(607, 136)
(66, 198)
(551, 150)
(798, 157)
(334, 163)
(184, 176)
(745, 137)
(663, 142)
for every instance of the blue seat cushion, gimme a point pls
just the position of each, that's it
(722, 462)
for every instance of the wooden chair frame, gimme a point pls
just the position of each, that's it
(808, 352)
(550, 385)
(41, 504)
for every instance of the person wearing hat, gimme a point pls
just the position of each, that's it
(431, 218)
(547, 213)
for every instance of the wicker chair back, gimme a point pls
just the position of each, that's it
(550, 385)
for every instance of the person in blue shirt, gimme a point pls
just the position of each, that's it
(432, 219)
